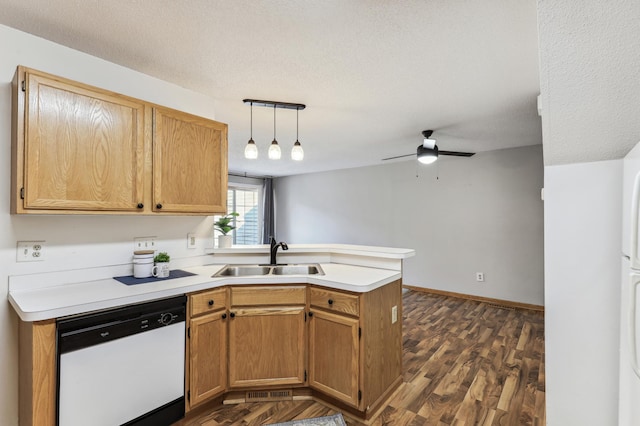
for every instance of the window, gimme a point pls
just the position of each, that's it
(247, 201)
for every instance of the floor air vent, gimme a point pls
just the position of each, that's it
(275, 395)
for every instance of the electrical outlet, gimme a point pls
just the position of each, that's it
(191, 240)
(394, 314)
(480, 276)
(144, 243)
(30, 251)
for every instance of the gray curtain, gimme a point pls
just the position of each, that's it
(269, 226)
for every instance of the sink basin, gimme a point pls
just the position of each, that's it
(262, 270)
(242, 271)
(297, 270)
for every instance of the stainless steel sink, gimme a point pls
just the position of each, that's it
(297, 270)
(262, 270)
(242, 271)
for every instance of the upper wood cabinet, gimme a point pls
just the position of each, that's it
(81, 149)
(189, 163)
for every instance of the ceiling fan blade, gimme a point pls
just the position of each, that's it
(399, 156)
(457, 154)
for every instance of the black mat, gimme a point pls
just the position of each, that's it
(131, 280)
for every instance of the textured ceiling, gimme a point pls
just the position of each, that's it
(373, 74)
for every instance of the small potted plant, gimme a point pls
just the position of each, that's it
(225, 225)
(161, 268)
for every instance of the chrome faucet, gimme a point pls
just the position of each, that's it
(274, 249)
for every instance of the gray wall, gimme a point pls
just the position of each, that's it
(462, 216)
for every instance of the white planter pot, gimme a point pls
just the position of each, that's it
(225, 241)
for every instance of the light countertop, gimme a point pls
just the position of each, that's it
(347, 267)
(70, 299)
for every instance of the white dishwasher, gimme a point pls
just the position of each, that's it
(124, 366)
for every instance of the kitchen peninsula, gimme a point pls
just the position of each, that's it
(346, 326)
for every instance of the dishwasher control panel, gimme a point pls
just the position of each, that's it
(91, 329)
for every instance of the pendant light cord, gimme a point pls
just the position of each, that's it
(274, 123)
(251, 125)
(297, 124)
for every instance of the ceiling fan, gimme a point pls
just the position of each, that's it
(428, 152)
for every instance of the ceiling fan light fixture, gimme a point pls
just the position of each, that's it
(429, 143)
(427, 155)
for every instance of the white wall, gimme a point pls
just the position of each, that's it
(74, 242)
(481, 214)
(582, 216)
(589, 68)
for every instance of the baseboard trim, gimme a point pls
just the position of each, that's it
(505, 303)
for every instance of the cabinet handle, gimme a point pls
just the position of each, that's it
(331, 301)
(310, 314)
(224, 316)
(210, 302)
(158, 206)
(140, 206)
(232, 315)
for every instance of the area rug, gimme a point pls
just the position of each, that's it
(335, 420)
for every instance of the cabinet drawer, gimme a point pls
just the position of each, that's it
(208, 301)
(271, 295)
(334, 301)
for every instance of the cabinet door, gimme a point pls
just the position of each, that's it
(83, 148)
(208, 357)
(334, 355)
(266, 346)
(189, 163)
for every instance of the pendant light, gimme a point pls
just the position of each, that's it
(297, 153)
(251, 150)
(274, 150)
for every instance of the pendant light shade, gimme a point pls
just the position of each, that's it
(251, 150)
(274, 150)
(297, 153)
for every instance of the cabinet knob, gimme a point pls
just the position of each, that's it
(210, 302)
(232, 315)
(140, 205)
(158, 206)
(224, 316)
(310, 314)
(331, 301)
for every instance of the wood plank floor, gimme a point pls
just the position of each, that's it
(465, 363)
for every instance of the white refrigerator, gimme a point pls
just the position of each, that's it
(629, 392)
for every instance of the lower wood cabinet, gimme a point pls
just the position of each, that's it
(267, 336)
(208, 357)
(266, 346)
(206, 368)
(355, 345)
(334, 353)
